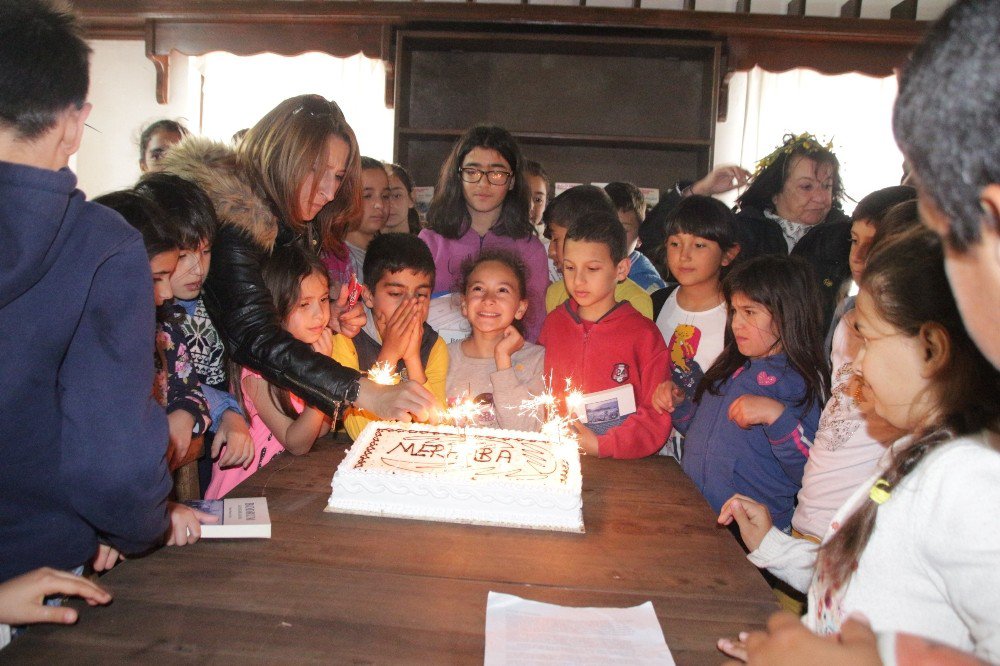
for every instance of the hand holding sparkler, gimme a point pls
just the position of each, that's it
(382, 393)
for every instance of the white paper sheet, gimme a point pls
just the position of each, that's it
(529, 633)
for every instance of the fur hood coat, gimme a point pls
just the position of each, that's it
(212, 166)
(239, 303)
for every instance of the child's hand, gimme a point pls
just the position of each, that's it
(21, 598)
(667, 397)
(185, 524)
(344, 320)
(324, 345)
(106, 558)
(421, 308)
(735, 648)
(234, 433)
(750, 410)
(511, 342)
(587, 439)
(752, 517)
(396, 331)
(788, 641)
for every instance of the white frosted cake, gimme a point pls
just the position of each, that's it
(475, 475)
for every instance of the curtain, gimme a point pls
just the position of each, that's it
(238, 90)
(853, 110)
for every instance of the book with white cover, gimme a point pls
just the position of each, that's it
(602, 410)
(239, 518)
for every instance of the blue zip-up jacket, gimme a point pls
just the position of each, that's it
(764, 463)
(82, 441)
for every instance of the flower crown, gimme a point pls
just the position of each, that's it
(789, 143)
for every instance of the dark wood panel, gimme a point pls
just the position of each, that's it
(569, 93)
(116, 19)
(342, 39)
(645, 167)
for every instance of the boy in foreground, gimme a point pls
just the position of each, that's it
(599, 343)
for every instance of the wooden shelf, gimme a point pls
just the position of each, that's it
(562, 139)
(589, 107)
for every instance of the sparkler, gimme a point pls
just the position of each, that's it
(383, 373)
(557, 428)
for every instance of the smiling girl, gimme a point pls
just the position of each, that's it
(755, 412)
(481, 202)
(494, 366)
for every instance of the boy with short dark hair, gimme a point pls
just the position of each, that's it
(81, 437)
(603, 345)
(631, 207)
(571, 205)
(399, 275)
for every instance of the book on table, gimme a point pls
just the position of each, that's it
(239, 518)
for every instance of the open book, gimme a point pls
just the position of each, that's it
(239, 518)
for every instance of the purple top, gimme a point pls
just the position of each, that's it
(450, 253)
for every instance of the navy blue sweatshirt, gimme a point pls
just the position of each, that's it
(82, 442)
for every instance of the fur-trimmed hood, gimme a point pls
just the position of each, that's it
(212, 166)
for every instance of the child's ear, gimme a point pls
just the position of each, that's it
(937, 348)
(624, 266)
(521, 309)
(465, 306)
(730, 255)
(367, 297)
(73, 127)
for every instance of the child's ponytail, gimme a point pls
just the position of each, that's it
(906, 279)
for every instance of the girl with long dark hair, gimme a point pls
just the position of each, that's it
(481, 202)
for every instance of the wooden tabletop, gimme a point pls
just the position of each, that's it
(340, 588)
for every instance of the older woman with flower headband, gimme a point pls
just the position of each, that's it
(792, 206)
(294, 178)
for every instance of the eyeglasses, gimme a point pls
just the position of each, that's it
(474, 175)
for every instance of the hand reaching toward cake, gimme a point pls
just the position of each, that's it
(407, 401)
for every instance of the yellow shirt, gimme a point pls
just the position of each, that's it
(625, 291)
(344, 352)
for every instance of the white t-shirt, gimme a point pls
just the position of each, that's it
(694, 340)
(843, 454)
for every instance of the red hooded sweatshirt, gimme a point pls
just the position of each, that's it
(622, 347)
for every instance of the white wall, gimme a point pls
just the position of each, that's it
(123, 92)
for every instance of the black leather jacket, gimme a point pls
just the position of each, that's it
(241, 309)
(235, 296)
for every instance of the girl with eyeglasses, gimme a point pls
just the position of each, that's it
(295, 178)
(481, 202)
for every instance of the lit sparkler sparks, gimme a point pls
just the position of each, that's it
(554, 426)
(383, 373)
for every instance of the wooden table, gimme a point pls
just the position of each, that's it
(352, 589)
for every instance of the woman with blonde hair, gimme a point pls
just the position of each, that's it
(294, 178)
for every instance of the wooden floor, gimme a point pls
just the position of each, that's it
(338, 588)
